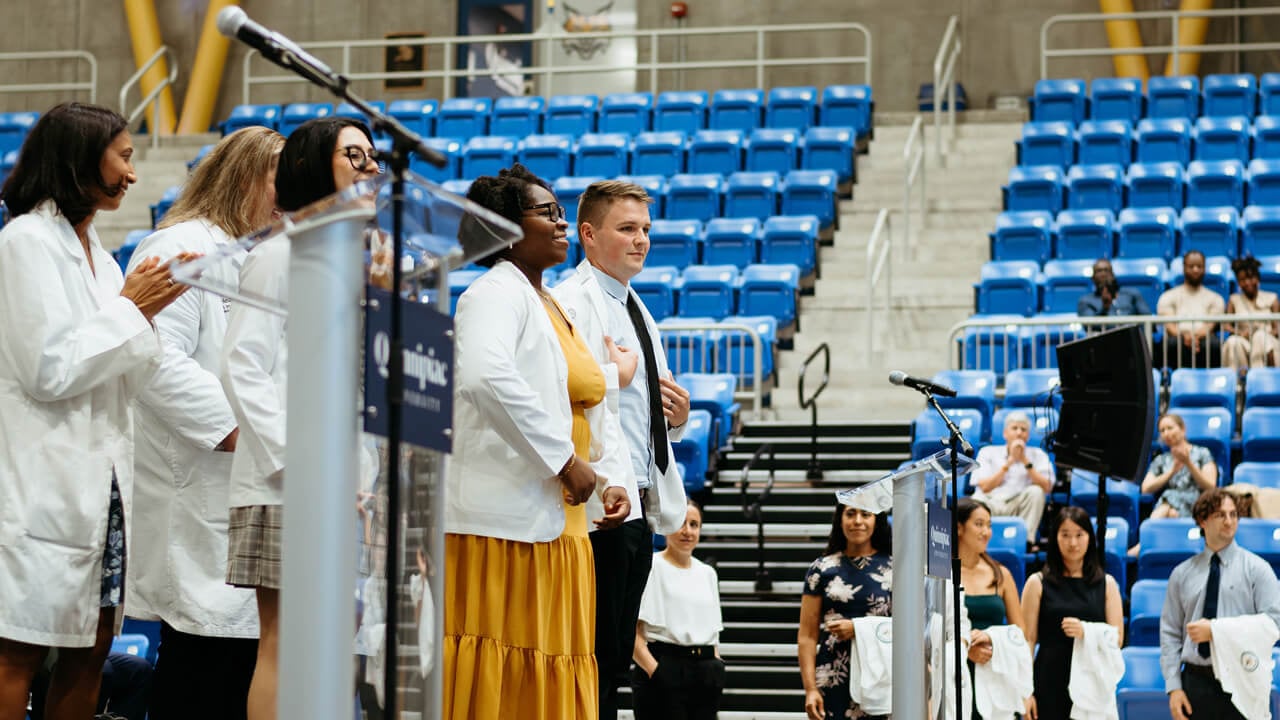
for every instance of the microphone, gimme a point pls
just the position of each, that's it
(897, 377)
(234, 23)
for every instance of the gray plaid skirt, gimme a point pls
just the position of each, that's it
(253, 546)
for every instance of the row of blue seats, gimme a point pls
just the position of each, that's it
(1103, 142)
(1140, 233)
(719, 291)
(14, 127)
(1204, 183)
(631, 112)
(1182, 96)
(1140, 694)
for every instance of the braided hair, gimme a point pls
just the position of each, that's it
(506, 194)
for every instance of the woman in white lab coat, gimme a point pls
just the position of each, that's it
(319, 158)
(186, 437)
(76, 343)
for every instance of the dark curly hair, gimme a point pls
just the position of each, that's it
(1055, 569)
(1248, 265)
(506, 194)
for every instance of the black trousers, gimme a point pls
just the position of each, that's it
(681, 688)
(1171, 353)
(126, 682)
(623, 556)
(201, 677)
(1208, 699)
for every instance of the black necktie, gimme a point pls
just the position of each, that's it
(657, 421)
(1211, 597)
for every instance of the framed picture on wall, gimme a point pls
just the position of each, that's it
(403, 58)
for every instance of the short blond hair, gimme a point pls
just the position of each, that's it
(599, 196)
(229, 184)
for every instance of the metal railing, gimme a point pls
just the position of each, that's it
(90, 86)
(878, 263)
(754, 511)
(696, 347)
(811, 403)
(913, 160)
(1174, 49)
(761, 34)
(157, 108)
(944, 76)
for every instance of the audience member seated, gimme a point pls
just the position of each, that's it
(1108, 298)
(123, 692)
(1179, 474)
(1252, 344)
(1013, 479)
(1191, 343)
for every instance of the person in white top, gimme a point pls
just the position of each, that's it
(1013, 479)
(319, 158)
(76, 344)
(186, 437)
(1189, 343)
(1251, 344)
(678, 672)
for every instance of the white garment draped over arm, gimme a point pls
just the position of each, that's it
(1242, 660)
(1096, 668)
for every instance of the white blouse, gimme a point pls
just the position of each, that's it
(681, 606)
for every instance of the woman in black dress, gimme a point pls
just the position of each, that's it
(1072, 589)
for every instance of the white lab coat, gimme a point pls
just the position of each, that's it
(177, 565)
(72, 354)
(1242, 662)
(512, 422)
(584, 301)
(1096, 668)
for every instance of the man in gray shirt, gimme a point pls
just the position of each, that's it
(1224, 580)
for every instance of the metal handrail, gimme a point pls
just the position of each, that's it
(755, 394)
(944, 75)
(546, 40)
(91, 86)
(755, 511)
(811, 403)
(1174, 49)
(150, 99)
(878, 262)
(913, 160)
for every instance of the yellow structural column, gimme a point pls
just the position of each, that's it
(1125, 34)
(1191, 32)
(144, 29)
(206, 74)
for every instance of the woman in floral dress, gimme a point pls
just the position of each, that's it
(852, 579)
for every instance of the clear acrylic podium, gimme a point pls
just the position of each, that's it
(919, 598)
(326, 536)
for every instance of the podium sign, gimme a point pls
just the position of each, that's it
(426, 415)
(939, 539)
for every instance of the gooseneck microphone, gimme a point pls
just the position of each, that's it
(234, 23)
(897, 377)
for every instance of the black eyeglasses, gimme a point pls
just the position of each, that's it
(553, 210)
(358, 157)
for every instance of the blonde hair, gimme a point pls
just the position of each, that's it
(600, 196)
(229, 184)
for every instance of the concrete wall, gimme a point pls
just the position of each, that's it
(1000, 38)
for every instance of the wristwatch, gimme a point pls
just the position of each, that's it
(1027, 465)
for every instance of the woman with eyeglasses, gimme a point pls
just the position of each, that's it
(319, 158)
(533, 440)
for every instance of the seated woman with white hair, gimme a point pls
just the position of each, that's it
(1013, 479)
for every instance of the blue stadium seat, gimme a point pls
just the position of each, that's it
(1222, 138)
(1260, 434)
(658, 153)
(347, 110)
(518, 116)
(1262, 387)
(776, 150)
(463, 118)
(1147, 233)
(656, 286)
(1047, 143)
(655, 185)
(770, 290)
(603, 154)
(1059, 100)
(1215, 183)
(1212, 427)
(708, 291)
(715, 151)
(1008, 545)
(1034, 188)
(792, 107)
(1118, 534)
(1269, 94)
(995, 348)
(693, 450)
(450, 148)
(1266, 137)
(1165, 543)
(829, 148)
(548, 156)
(1026, 235)
(294, 114)
(680, 111)
(147, 628)
(570, 115)
(1231, 95)
(696, 197)
(1140, 693)
(751, 194)
(1143, 275)
(1063, 283)
(165, 202)
(1173, 97)
(689, 349)
(1008, 287)
(675, 243)
(1084, 234)
(1038, 343)
(1202, 387)
(1260, 230)
(1105, 142)
(974, 389)
(790, 239)
(1031, 388)
(1156, 185)
(741, 110)
(811, 192)
(1164, 140)
(14, 129)
(928, 432)
(1262, 474)
(731, 241)
(131, 644)
(1095, 187)
(849, 106)
(417, 115)
(1146, 602)
(487, 154)
(124, 253)
(1261, 536)
(568, 190)
(1211, 230)
(191, 164)
(737, 353)
(459, 281)
(628, 113)
(1264, 182)
(713, 392)
(1116, 99)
